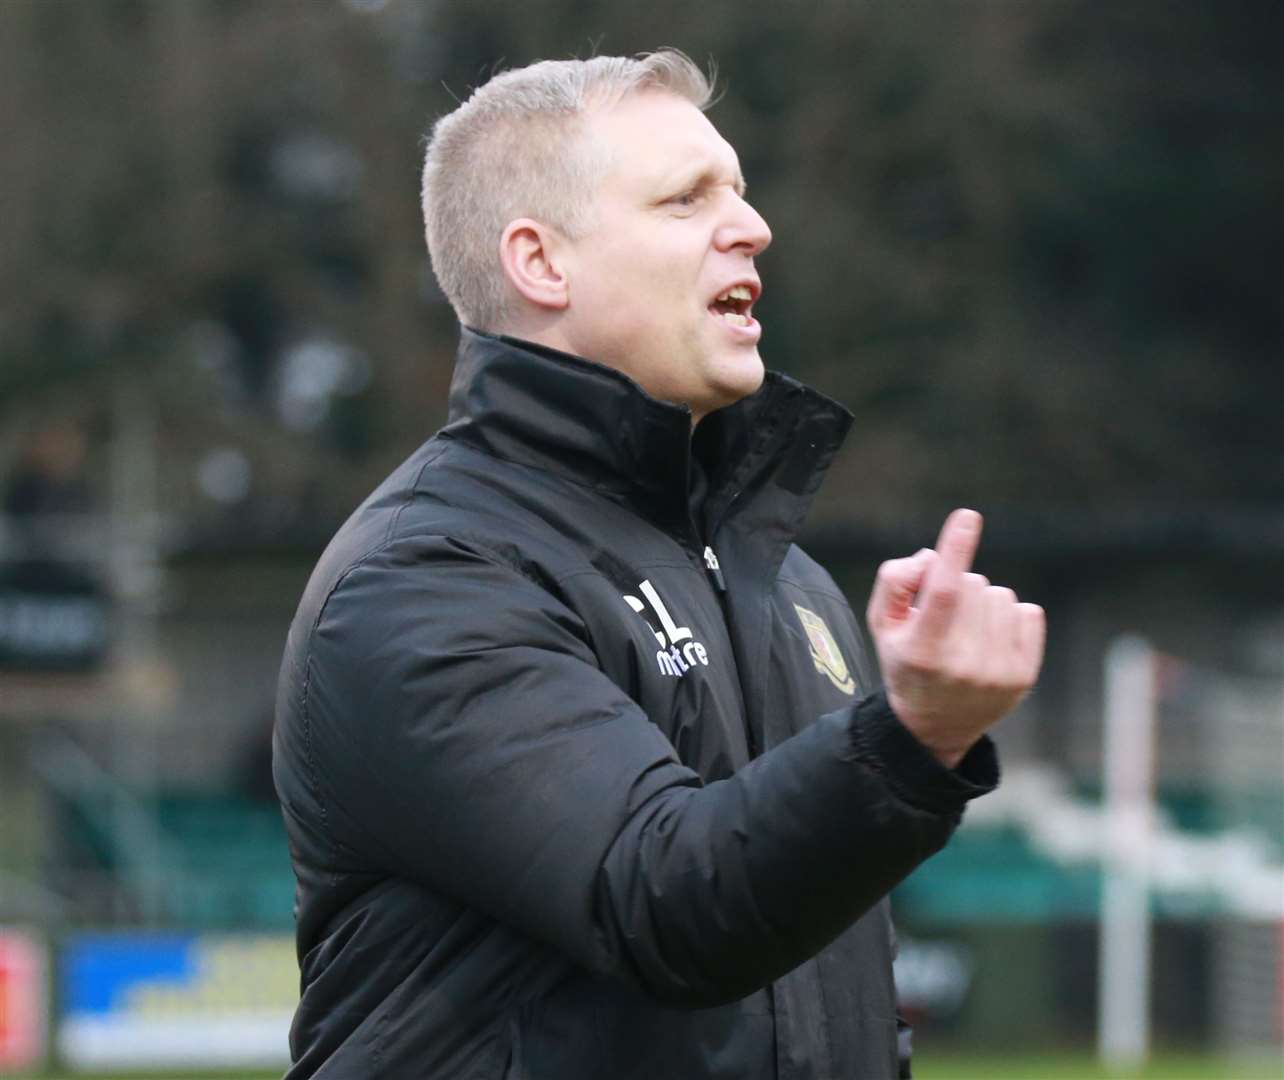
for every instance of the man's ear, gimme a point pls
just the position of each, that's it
(529, 252)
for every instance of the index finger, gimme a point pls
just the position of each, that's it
(957, 543)
(955, 549)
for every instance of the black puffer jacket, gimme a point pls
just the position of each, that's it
(565, 801)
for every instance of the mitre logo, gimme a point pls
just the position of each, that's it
(679, 651)
(824, 651)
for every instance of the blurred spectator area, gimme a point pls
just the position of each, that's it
(136, 688)
(1035, 247)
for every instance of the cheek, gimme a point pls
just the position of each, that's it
(640, 292)
(655, 303)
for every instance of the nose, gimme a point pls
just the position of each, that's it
(743, 227)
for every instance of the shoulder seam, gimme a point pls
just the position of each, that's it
(411, 488)
(833, 594)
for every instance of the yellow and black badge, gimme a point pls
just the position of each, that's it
(824, 651)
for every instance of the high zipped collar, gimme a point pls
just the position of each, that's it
(537, 406)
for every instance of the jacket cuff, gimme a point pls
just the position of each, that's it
(911, 770)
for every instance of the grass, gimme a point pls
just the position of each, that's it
(927, 1066)
(1084, 1067)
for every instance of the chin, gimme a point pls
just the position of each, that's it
(732, 382)
(742, 377)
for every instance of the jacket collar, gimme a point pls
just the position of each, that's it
(765, 455)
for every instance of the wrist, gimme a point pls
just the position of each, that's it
(914, 772)
(948, 751)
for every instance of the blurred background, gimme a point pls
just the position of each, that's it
(1036, 247)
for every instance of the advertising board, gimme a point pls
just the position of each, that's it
(153, 1001)
(22, 1000)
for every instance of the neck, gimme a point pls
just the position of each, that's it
(550, 332)
(542, 329)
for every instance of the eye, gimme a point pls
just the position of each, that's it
(687, 198)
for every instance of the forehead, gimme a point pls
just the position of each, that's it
(653, 138)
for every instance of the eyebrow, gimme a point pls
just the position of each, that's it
(709, 176)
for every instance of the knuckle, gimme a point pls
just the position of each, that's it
(945, 597)
(916, 663)
(1013, 681)
(921, 666)
(888, 569)
(1000, 594)
(993, 683)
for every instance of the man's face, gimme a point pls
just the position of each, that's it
(671, 235)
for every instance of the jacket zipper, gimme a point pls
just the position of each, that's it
(714, 570)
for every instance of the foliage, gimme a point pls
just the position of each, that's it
(1023, 242)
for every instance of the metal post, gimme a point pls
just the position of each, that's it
(134, 568)
(1123, 999)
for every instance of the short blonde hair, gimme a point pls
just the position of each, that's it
(513, 149)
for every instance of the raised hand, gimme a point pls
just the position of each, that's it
(957, 653)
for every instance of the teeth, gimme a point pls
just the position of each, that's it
(735, 318)
(739, 292)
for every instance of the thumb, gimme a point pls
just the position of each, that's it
(895, 587)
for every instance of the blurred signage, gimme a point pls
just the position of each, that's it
(52, 618)
(932, 977)
(22, 1001)
(156, 1001)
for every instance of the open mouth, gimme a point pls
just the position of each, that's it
(734, 305)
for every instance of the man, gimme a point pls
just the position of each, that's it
(584, 771)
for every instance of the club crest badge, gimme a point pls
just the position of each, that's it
(824, 651)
